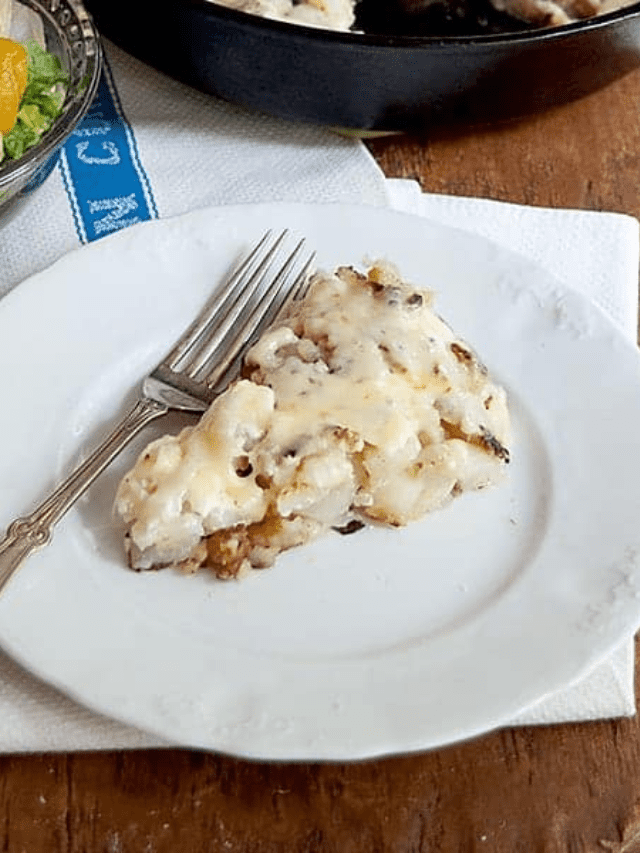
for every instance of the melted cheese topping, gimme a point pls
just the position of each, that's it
(361, 406)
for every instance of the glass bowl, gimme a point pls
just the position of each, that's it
(70, 35)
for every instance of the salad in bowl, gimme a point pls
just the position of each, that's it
(50, 64)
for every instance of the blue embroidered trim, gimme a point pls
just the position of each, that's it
(105, 181)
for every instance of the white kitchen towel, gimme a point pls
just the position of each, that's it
(152, 147)
(186, 151)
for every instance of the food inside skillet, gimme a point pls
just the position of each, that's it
(327, 14)
(427, 17)
(538, 13)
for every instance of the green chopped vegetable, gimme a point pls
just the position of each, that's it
(41, 103)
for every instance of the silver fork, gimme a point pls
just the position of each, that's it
(201, 364)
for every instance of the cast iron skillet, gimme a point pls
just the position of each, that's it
(469, 72)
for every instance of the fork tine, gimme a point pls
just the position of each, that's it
(220, 303)
(280, 292)
(210, 353)
(273, 299)
(234, 327)
(303, 282)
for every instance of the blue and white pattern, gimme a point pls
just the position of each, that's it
(103, 176)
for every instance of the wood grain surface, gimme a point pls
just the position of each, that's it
(559, 789)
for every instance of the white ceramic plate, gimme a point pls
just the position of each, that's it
(376, 643)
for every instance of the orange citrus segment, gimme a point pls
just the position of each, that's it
(13, 81)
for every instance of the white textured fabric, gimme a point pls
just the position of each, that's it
(199, 152)
(593, 252)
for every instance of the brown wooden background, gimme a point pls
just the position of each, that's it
(561, 789)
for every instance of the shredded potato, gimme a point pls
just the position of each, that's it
(360, 407)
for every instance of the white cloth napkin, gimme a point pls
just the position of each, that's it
(193, 151)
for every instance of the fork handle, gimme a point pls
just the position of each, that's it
(28, 534)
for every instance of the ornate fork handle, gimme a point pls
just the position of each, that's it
(28, 534)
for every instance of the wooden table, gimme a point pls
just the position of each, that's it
(559, 789)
